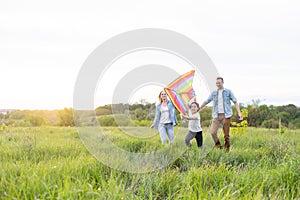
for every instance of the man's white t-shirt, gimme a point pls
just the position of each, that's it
(220, 101)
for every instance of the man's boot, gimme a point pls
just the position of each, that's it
(227, 144)
(218, 145)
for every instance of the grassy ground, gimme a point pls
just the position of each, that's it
(52, 162)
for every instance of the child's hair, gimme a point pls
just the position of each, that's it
(197, 104)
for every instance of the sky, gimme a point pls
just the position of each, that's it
(254, 45)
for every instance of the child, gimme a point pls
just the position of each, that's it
(195, 130)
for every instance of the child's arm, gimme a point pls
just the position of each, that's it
(190, 118)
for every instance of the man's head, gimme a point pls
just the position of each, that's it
(219, 83)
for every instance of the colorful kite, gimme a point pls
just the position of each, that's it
(181, 92)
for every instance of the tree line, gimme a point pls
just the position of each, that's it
(143, 113)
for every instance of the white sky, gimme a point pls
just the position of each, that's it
(254, 44)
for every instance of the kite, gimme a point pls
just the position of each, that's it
(181, 92)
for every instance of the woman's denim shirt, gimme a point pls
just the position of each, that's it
(227, 96)
(172, 114)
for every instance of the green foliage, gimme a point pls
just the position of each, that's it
(267, 116)
(136, 111)
(206, 116)
(285, 117)
(245, 113)
(35, 120)
(140, 114)
(107, 120)
(142, 122)
(21, 123)
(3, 127)
(282, 129)
(65, 117)
(37, 117)
(239, 128)
(122, 120)
(102, 111)
(115, 120)
(206, 123)
(256, 115)
(295, 124)
(18, 114)
(271, 123)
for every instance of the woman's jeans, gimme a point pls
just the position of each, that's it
(164, 130)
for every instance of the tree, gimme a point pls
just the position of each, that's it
(206, 114)
(18, 114)
(102, 111)
(271, 123)
(119, 108)
(295, 124)
(140, 114)
(285, 118)
(107, 120)
(143, 102)
(256, 102)
(66, 117)
(35, 120)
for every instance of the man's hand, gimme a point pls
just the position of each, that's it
(152, 125)
(241, 116)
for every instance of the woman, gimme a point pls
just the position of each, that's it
(165, 118)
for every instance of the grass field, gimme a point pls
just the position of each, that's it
(53, 163)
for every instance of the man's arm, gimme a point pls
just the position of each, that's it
(203, 105)
(209, 99)
(237, 107)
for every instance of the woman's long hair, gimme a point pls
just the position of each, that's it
(159, 96)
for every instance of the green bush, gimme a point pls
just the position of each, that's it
(65, 117)
(142, 122)
(103, 111)
(35, 120)
(21, 123)
(115, 120)
(122, 120)
(295, 124)
(271, 123)
(107, 120)
(206, 123)
(3, 127)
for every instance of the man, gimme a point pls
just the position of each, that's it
(222, 112)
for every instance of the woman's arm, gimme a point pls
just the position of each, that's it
(157, 116)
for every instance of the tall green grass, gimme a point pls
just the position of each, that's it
(52, 163)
